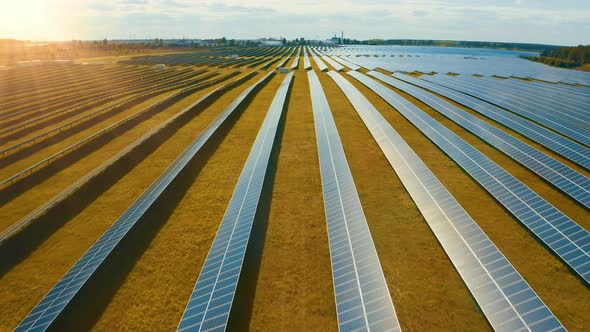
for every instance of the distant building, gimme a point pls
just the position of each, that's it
(161, 66)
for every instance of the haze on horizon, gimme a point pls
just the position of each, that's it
(527, 21)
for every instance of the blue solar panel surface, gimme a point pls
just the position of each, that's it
(551, 140)
(568, 180)
(210, 303)
(521, 108)
(363, 301)
(504, 296)
(522, 97)
(558, 232)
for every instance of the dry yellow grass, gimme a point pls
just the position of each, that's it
(294, 289)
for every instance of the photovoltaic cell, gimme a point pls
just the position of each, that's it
(210, 303)
(504, 296)
(47, 310)
(363, 301)
(558, 232)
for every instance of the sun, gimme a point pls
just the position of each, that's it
(25, 19)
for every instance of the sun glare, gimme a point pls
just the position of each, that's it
(26, 19)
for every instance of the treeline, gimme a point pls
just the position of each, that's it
(451, 43)
(565, 57)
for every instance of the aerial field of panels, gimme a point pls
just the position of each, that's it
(365, 190)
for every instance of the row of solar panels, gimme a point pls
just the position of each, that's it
(74, 187)
(465, 62)
(56, 300)
(506, 299)
(567, 122)
(362, 299)
(558, 232)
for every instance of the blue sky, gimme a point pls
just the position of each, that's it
(543, 21)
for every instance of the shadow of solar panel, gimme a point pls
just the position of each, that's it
(558, 232)
(503, 295)
(362, 298)
(210, 302)
(45, 312)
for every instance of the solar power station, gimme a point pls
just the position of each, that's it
(250, 188)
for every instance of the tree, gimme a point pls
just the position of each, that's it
(105, 42)
(284, 41)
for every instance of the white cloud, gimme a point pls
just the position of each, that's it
(503, 20)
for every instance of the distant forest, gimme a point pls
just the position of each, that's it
(565, 57)
(453, 43)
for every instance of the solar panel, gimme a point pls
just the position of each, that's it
(321, 65)
(211, 300)
(548, 101)
(522, 109)
(522, 97)
(52, 304)
(347, 63)
(295, 63)
(363, 301)
(334, 64)
(566, 179)
(558, 232)
(557, 143)
(306, 63)
(506, 299)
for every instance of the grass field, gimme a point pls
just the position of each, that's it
(286, 280)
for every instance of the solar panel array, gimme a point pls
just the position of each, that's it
(334, 64)
(346, 63)
(284, 62)
(52, 304)
(506, 299)
(560, 234)
(570, 106)
(525, 109)
(71, 189)
(296, 61)
(549, 139)
(363, 301)
(306, 63)
(525, 97)
(568, 180)
(321, 65)
(211, 300)
(486, 62)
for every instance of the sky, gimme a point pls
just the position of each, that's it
(560, 22)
